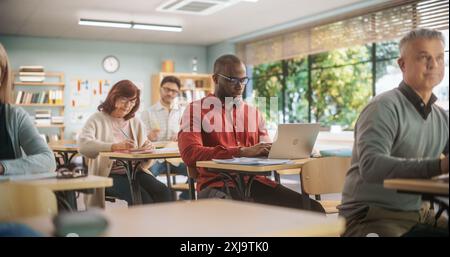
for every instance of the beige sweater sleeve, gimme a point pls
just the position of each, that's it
(90, 139)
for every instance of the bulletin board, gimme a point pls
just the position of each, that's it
(85, 93)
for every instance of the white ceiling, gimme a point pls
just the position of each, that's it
(59, 18)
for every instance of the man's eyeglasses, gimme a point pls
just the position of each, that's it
(124, 101)
(169, 90)
(243, 81)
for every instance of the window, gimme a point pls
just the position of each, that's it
(333, 87)
(341, 85)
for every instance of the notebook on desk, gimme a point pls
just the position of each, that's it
(155, 151)
(136, 151)
(252, 161)
(443, 178)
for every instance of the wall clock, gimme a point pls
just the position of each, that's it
(111, 64)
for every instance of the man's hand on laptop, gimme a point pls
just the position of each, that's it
(261, 149)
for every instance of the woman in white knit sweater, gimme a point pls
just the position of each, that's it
(113, 128)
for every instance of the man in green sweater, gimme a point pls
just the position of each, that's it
(400, 134)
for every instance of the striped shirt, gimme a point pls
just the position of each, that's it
(159, 117)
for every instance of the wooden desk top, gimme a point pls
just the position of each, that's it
(157, 154)
(55, 184)
(426, 186)
(297, 164)
(211, 217)
(64, 145)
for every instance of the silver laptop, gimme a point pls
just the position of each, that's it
(294, 141)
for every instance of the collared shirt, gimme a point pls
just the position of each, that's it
(159, 117)
(198, 142)
(423, 109)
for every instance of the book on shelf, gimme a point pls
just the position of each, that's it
(43, 97)
(199, 83)
(26, 73)
(42, 122)
(43, 112)
(44, 137)
(31, 78)
(189, 84)
(53, 138)
(198, 95)
(31, 68)
(56, 97)
(57, 119)
(187, 95)
(19, 97)
(42, 117)
(31, 74)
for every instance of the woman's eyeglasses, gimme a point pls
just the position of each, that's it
(236, 81)
(124, 101)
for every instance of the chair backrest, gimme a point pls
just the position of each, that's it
(20, 201)
(324, 175)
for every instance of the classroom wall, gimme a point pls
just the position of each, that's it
(82, 59)
(216, 50)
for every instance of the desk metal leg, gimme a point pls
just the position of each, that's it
(276, 176)
(244, 189)
(237, 181)
(66, 161)
(67, 158)
(248, 189)
(191, 182)
(135, 189)
(443, 206)
(67, 200)
(136, 197)
(169, 183)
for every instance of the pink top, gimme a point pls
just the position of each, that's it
(121, 132)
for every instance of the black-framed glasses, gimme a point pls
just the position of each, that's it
(169, 90)
(243, 81)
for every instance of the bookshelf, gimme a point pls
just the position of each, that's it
(193, 86)
(47, 94)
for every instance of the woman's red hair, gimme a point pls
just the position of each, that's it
(123, 88)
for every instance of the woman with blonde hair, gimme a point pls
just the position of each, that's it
(22, 149)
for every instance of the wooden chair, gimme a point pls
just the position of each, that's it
(174, 185)
(189, 186)
(181, 187)
(324, 176)
(277, 173)
(20, 201)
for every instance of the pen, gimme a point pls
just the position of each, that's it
(125, 134)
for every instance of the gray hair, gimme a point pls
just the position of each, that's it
(420, 33)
